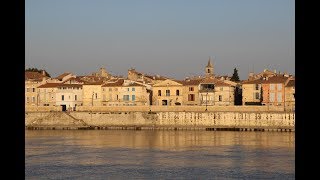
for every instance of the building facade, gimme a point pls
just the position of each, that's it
(290, 95)
(69, 96)
(168, 93)
(273, 89)
(92, 94)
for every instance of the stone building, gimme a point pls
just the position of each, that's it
(168, 93)
(273, 90)
(32, 81)
(190, 92)
(290, 95)
(69, 96)
(102, 73)
(214, 92)
(252, 92)
(47, 94)
(92, 94)
(144, 78)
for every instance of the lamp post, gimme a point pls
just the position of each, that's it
(92, 99)
(207, 100)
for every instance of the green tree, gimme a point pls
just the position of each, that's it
(235, 76)
(37, 70)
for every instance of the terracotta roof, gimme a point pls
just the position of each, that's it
(214, 81)
(74, 79)
(60, 77)
(93, 83)
(275, 79)
(191, 82)
(135, 84)
(291, 83)
(49, 85)
(69, 85)
(113, 84)
(256, 81)
(33, 75)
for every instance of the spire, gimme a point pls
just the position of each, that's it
(209, 68)
(209, 62)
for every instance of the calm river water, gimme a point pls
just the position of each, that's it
(147, 154)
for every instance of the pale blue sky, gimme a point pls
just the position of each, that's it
(168, 37)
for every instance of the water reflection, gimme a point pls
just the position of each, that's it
(164, 140)
(159, 154)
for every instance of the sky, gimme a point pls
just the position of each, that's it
(172, 38)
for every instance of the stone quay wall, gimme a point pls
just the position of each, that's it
(242, 120)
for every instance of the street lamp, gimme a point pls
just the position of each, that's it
(92, 99)
(207, 100)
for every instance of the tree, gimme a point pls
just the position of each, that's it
(235, 76)
(37, 70)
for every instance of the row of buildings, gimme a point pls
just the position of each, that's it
(138, 89)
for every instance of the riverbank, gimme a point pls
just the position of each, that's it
(144, 120)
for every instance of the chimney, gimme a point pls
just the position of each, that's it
(43, 72)
(275, 71)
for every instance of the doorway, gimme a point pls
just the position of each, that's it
(64, 107)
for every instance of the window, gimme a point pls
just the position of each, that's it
(33, 99)
(75, 97)
(62, 97)
(96, 95)
(279, 87)
(133, 89)
(271, 98)
(167, 92)
(271, 86)
(69, 97)
(257, 86)
(115, 89)
(133, 97)
(110, 89)
(27, 99)
(220, 97)
(126, 97)
(110, 97)
(104, 97)
(117, 97)
(103, 89)
(191, 89)
(221, 88)
(33, 89)
(190, 97)
(159, 92)
(279, 97)
(128, 89)
(177, 93)
(257, 95)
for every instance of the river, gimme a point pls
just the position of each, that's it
(148, 154)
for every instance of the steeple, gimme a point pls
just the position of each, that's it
(209, 62)
(209, 68)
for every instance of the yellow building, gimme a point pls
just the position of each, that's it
(111, 93)
(32, 81)
(47, 94)
(290, 95)
(92, 94)
(252, 92)
(214, 92)
(191, 92)
(125, 93)
(168, 93)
